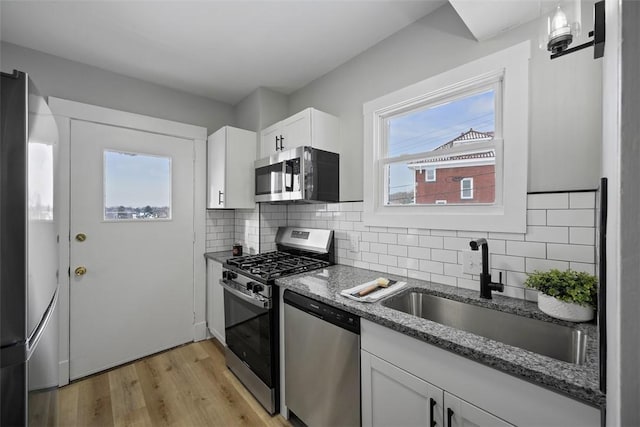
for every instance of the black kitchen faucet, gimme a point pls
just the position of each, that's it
(486, 285)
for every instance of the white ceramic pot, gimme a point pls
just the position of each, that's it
(564, 310)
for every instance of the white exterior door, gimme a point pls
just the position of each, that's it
(132, 199)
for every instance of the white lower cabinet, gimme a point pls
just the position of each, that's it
(407, 382)
(215, 300)
(394, 397)
(460, 413)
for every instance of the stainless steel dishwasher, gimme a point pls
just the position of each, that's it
(322, 362)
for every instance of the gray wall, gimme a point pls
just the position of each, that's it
(630, 216)
(260, 109)
(565, 97)
(55, 76)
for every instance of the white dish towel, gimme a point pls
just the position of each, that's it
(375, 295)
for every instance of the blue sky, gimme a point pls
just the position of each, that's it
(423, 130)
(136, 180)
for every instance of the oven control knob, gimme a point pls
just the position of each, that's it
(257, 288)
(229, 275)
(250, 286)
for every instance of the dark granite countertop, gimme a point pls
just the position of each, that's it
(221, 256)
(577, 381)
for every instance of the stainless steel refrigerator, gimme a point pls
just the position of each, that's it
(29, 256)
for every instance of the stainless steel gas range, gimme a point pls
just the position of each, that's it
(251, 307)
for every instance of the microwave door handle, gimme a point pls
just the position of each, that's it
(288, 177)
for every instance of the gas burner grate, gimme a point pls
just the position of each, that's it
(272, 265)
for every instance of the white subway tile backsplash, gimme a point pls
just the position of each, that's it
(582, 236)
(445, 280)
(582, 200)
(457, 243)
(397, 271)
(577, 253)
(419, 231)
(370, 257)
(534, 264)
(516, 279)
(571, 217)
(507, 262)
(431, 266)
(513, 292)
(527, 249)
(536, 217)
(444, 255)
(417, 252)
(548, 201)
(408, 240)
(409, 263)
(506, 236)
(436, 242)
(379, 248)
(469, 284)
(547, 234)
(560, 227)
(420, 275)
(389, 260)
(444, 233)
(397, 250)
(584, 267)
(368, 236)
(388, 238)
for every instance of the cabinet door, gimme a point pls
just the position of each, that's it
(268, 143)
(459, 413)
(393, 397)
(215, 300)
(296, 130)
(216, 163)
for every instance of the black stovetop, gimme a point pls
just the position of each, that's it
(271, 265)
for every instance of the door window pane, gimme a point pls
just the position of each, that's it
(137, 187)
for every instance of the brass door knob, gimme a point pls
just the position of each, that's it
(80, 271)
(81, 237)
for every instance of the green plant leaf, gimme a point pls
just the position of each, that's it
(568, 286)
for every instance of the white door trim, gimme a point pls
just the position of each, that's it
(64, 111)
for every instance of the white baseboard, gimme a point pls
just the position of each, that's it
(63, 372)
(200, 331)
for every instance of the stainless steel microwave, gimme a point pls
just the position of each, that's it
(302, 174)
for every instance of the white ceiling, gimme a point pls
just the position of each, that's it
(219, 49)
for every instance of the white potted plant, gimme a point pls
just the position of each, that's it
(567, 295)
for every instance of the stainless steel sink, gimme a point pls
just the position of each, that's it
(549, 339)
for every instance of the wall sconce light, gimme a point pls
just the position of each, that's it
(562, 25)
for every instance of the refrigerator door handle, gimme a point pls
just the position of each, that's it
(33, 340)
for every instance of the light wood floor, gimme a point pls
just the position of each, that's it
(185, 386)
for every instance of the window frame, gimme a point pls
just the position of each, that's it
(470, 189)
(508, 212)
(426, 175)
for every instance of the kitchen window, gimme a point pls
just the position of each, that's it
(450, 152)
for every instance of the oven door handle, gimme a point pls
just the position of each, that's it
(253, 301)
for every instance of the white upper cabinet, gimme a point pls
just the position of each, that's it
(230, 171)
(308, 127)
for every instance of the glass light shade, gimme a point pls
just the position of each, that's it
(560, 25)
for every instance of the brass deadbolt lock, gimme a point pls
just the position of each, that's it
(80, 271)
(81, 237)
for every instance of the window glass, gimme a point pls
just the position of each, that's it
(442, 143)
(466, 188)
(136, 187)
